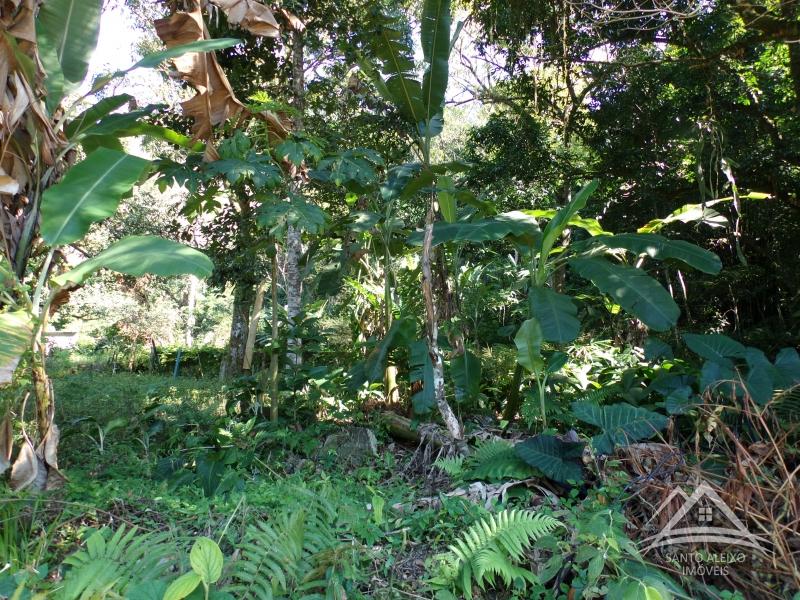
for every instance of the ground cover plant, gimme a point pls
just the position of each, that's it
(438, 299)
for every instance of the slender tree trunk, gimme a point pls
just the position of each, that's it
(252, 329)
(294, 290)
(391, 391)
(294, 244)
(274, 358)
(448, 416)
(243, 298)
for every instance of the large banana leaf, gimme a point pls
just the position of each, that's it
(514, 223)
(466, 372)
(88, 193)
(89, 117)
(656, 246)
(421, 370)
(154, 59)
(557, 459)
(372, 369)
(562, 218)
(137, 255)
(702, 213)
(556, 314)
(631, 288)
(16, 330)
(621, 424)
(401, 88)
(529, 341)
(435, 38)
(70, 28)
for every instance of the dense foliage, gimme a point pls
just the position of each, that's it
(469, 299)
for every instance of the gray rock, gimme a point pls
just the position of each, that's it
(353, 445)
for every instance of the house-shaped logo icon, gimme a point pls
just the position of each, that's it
(694, 523)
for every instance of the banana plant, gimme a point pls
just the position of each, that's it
(48, 206)
(612, 263)
(388, 61)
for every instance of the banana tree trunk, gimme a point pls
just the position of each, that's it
(451, 422)
(274, 357)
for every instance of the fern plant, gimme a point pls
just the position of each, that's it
(297, 555)
(110, 563)
(493, 548)
(495, 461)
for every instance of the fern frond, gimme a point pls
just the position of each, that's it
(786, 405)
(496, 460)
(295, 555)
(111, 562)
(453, 466)
(598, 395)
(493, 546)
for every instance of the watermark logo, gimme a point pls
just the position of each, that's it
(703, 518)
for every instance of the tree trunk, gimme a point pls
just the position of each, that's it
(233, 363)
(448, 416)
(252, 329)
(294, 244)
(294, 291)
(274, 358)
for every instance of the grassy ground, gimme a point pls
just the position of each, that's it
(160, 454)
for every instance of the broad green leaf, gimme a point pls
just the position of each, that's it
(631, 288)
(88, 193)
(54, 77)
(515, 223)
(719, 378)
(390, 47)
(400, 334)
(182, 586)
(661, 248)
(787, 364)
(655, 348)
(556, 314)
(621, 424)
(89, 117)
(154, 59)
(16, 330)
(421, 369)
(589, 225)
(416, 184)
(72, 28)
(447, 198)
(137, 255)
(206, 559)
(435, 38)
(130, 124)
(560, 221)
(529, 341)
(557, 459)
(715, 347)
(465, 369)
(689, 213)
